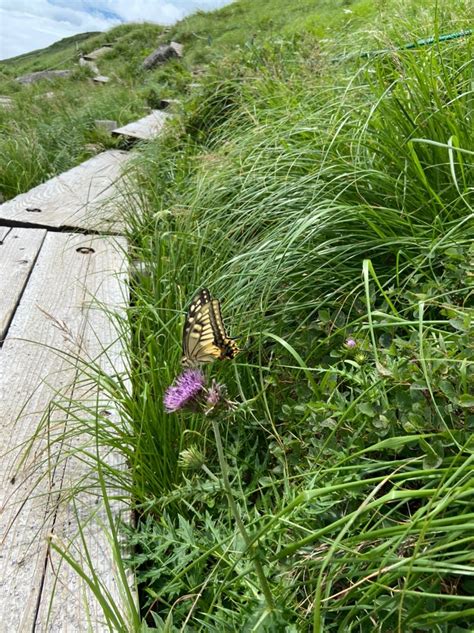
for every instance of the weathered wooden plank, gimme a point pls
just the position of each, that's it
(101, 79)
(45, 95)
(32, 78)
(61, 582)
(105, 125)
(18, 252)
(146, 128)
(84, 197)
(85, 63)
(57, 325)
(97, 53)
(6, 102)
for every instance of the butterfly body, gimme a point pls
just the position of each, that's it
(204, 336)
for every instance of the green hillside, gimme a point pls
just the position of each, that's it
(321, 480)
(42, 137)
(231, 26)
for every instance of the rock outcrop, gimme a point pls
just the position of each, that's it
(162, 54)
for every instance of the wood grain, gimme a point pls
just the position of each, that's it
(84, 197)
(146, 128)
(57, 326)
(18, 253)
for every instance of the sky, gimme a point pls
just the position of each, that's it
(26, 25)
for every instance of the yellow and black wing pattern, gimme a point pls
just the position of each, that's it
(204, 335)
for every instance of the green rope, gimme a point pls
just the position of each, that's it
(411, 45)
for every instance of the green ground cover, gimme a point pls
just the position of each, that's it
(327, 201)
(322, 203)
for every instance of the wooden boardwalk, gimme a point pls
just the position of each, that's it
(85, 197)
(144, 129)
(63, 265)
(57, 326)
(6, 102)
(55, 288)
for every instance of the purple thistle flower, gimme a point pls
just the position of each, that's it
(350, 343)
(184, 391)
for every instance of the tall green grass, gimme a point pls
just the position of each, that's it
(42, 137)
(319, 207)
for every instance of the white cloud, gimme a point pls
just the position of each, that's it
(26, 25)
(145, 10)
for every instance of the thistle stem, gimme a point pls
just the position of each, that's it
(235, 511)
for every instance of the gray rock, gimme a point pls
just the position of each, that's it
(162, 54)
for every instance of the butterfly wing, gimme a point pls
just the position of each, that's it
(226, 344)
(204, 335)
(198, 334)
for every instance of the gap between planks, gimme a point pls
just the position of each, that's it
(18, 252)
(4, 231)
(87, 197)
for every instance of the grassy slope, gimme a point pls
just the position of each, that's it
(40, 138)
(312, 198)
(293, 192)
